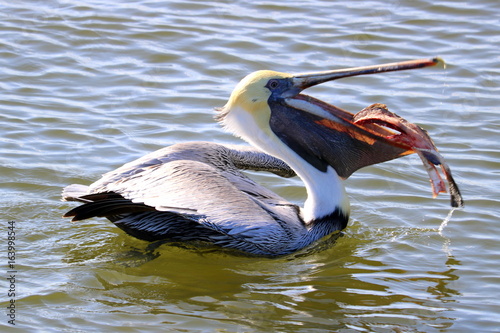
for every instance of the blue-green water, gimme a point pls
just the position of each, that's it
(89, 85)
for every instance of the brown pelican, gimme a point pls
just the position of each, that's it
(196, 190)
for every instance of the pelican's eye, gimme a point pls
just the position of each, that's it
(273, 83)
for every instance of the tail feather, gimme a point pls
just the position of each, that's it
(106, 208)
(75, 192)
(136, 219)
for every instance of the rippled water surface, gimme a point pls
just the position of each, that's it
(89, 85)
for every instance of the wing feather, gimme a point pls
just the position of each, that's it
(208, 188)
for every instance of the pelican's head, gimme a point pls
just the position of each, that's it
(249, 102)
(267, 109)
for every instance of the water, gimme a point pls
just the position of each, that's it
(89, 85)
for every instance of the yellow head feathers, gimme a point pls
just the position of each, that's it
(247, 112)
(251, 93)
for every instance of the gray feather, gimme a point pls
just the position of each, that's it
(197, 192)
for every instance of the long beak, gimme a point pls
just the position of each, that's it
(306, 80)
(331, 135)
(323, 134)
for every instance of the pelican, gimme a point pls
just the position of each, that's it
(197, 190)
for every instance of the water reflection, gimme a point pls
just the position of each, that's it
(339, 287)
(442, 290)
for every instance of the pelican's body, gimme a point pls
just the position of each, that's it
(199, 193)
(196, 191)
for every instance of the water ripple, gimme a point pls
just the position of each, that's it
(87, 86)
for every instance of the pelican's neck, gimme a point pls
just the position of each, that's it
(325, 193)
(325, 190)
